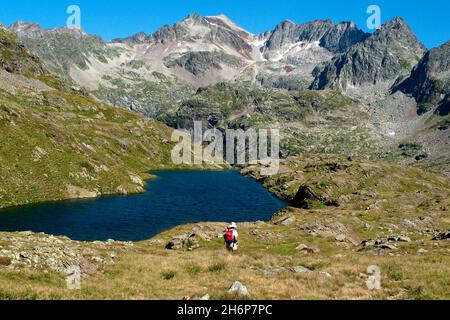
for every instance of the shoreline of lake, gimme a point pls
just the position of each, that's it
(243, 207)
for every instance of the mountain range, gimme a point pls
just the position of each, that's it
(395, 89)
(198, 51)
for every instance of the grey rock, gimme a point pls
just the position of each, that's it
(379, 244)
(300, 269)
(276, 271)
(387, 246)
(429, 82)
(399, 239)
(340, 237)
(287, 222)
(442, 236)
(191, 240)
(302, 247)
(309, 250)
(239, 289)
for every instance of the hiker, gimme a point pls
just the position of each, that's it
(231, 237)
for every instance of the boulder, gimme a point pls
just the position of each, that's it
(283, 218)
(239, 289)
(399, 239)
(379, 244)
(299, 269)
(287, 221)
(137, 180)
(188, 241)
(387, 246)
(308, 250)
(80, 193)
(304, 197)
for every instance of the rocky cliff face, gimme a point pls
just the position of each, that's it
(429, 82)
(334, 38)
(390, 52)
(14, 58)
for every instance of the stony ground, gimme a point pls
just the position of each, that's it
(319, 248)
(307, 257)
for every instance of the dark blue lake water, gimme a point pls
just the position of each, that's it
(174, 198)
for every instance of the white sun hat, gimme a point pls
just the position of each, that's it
(233, 226)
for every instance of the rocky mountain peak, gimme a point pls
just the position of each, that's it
(397, 33)
(34, 30)
(396, 23)
(285, 24)
(181, 30)
(194, 17)
(322, 22)
(335, 38)
(205, 34)
(225, 22)
(390, 52)
(225, 19)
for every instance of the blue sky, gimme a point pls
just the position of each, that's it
(111, 19)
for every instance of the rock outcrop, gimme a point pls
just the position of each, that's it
(442, 235)
(27, 250)
(15, 58)
(191, 240)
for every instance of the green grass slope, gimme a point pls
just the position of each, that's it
(58, 143)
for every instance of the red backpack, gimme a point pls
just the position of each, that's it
(229, 236)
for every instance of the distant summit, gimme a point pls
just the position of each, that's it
(391, 51)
